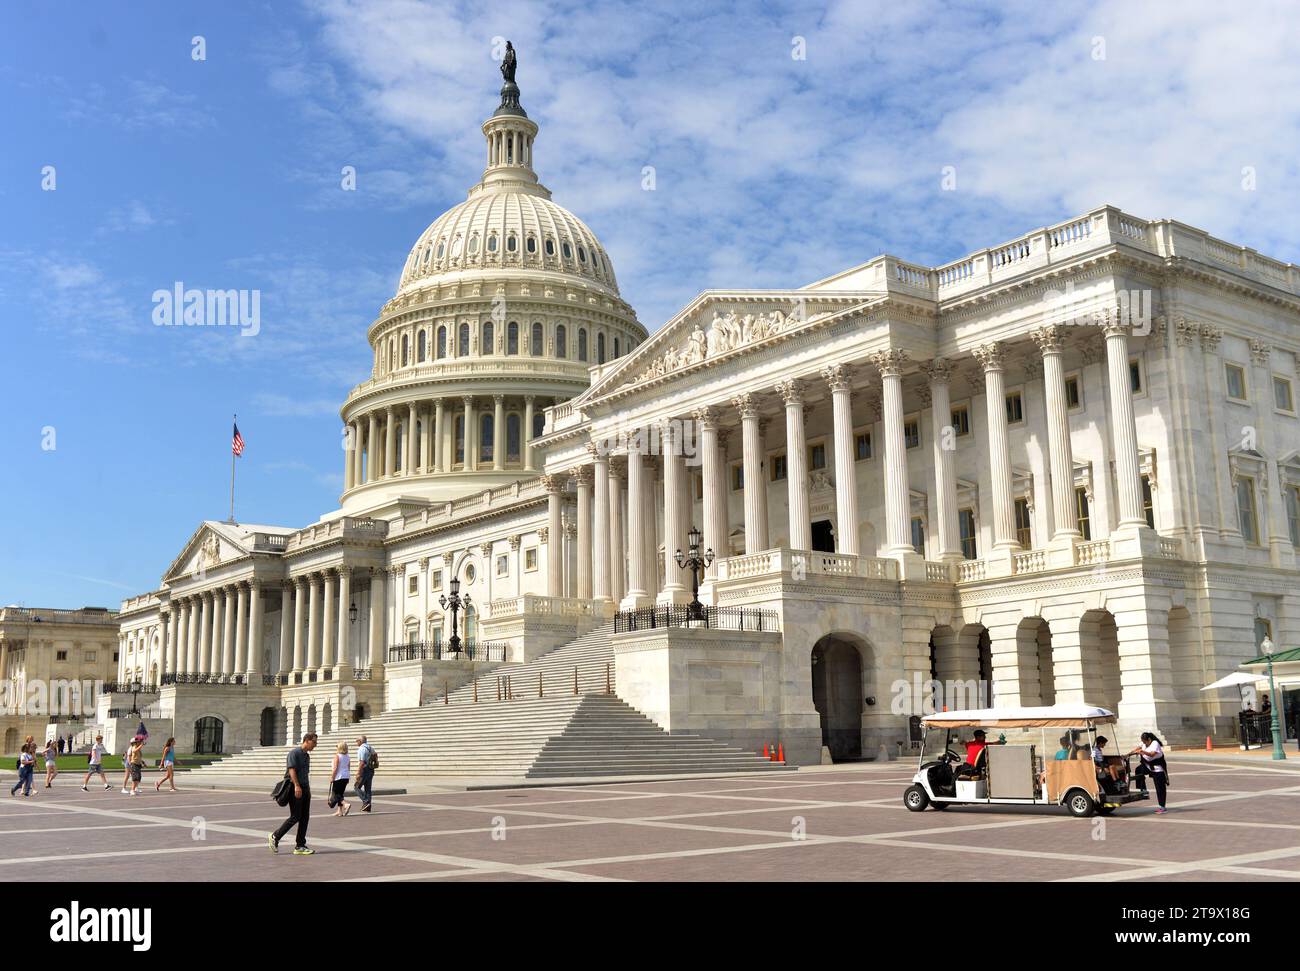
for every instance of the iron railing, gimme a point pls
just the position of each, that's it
(759, 619)
(127, 687)
(362, 674)
(203, 677)
(441, 651)
(275, 680)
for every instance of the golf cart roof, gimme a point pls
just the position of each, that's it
(1051, 716)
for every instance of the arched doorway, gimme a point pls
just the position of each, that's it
(267, 735)
(11, 741)
(311, 720)
(1099, 654)
(359, 712)
(209, 735)
(296, 737)
(327, 718)
(959, 668)
(837, 688)
(1034, 657)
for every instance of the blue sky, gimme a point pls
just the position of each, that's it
(771, 170)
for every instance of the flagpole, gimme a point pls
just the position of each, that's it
(234, 421)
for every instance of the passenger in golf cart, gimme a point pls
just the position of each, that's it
(1024, 771)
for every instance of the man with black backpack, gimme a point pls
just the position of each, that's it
(298, 791)
(368, 761)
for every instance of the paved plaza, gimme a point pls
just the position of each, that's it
(1233, 820)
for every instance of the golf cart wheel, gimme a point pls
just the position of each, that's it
(1080, 804)
(915, 799)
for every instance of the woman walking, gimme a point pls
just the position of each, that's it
(1152, 755)
(51, 762)
(168, 766)
(340, 774)
(26, 766)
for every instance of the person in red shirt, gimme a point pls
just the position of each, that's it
(974, 747)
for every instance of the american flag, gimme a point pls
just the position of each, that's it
(237, 443)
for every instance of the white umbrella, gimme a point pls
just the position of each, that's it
(1235, 679)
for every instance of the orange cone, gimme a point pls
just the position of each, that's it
(765, 755)
(780, 752)
(1209, 744)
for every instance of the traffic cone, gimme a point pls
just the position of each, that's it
(773, 756)
(765, 755)
(1209, 744)
(780, 752)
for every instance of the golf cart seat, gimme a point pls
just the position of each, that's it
(977, 770)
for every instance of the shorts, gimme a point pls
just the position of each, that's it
(135, 771)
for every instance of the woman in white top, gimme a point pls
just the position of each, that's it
(51, 762)
(1152, 755)
(340, 775)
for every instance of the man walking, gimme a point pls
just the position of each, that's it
(297, 765)
(367, 761)
(97, 753)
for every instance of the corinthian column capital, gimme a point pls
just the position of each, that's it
(889, 363)
(791, 392)
(837, 376)
(939, 370)
(1050, 338)
(989, 355)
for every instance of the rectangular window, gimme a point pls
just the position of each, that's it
(1246, 510)
(1081, 512)
(699, 486)
(960, 420)
(817, 456)
(1282, 397)
(413, 584)
(1292, 494)
(436, 582)
(862, 446)
(1148, 503)
(737, 477)
(778, 467)
(60, 655)
(1024, 529)
(966, 525)
(503, 565)
(530, 560)
(918, 535)
(1015, 408)
(115, 657)
(912, 433)
(1236, 378)
(1073, 393)
(1135, 375)
(90, 656)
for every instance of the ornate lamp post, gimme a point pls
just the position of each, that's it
(1268, 647)
(696, 562)
(454, 603)
(135, 691)
(352, 613)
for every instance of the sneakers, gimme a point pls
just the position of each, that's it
(107, 786)
(125, 790)
(135, 792)
(84, 789)
(1161, 809)
(303, 851)
(366, 808)
(273, 842)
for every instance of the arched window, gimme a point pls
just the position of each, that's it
(462, 340)
(582, 255)
(486, 436)
(616, 347)
(550, 246)
(600, 348)
(512, 338)
(473, 245)
(441, 247)
(458, 433)
(456, 244)
(530, 244)
(512, 243)
(537, 346)
(422, 346)
(568, 250)
(582, 343)
(492, 243)
(442, 342)
(513, 442)
(561, 348)
(406, 348)
(539, 424)
(487, 346)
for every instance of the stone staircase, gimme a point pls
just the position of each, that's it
(558, 734)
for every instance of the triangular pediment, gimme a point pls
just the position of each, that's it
(213, 544)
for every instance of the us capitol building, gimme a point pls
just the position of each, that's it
(1066, 466)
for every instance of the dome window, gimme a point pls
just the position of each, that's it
(568, 253)
(512, 243)
(582, 344)
(531, 244)
(512, 338)
(600, 348)
(492, 243)
(442, 245)
(442, 342)
(616, 347)
(582, 255)
(462, 341)
(456, 245)
(473, 245)
(422, 346)
(536, 349)
(550, 246)
(561, 343)
(486, 347)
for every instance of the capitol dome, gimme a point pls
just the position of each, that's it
(505, 304)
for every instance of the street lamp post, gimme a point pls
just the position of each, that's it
(135, 690)
(454, 603)
(1268, 647)
(696, 562)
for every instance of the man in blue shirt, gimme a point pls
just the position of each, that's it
(365, 772)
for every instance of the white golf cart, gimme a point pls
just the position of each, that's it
(1031, 768)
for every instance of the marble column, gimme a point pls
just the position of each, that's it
(898, 532)
(846, 474)
(205, 634)
(425, 417)
(528, 432)
(1128, 477)
(167, 651)
(677, 512)
(312, 661)
(943, 442)
(285, 663)
(213, 665)
(617, 543)
(299, 626)
(995, 401)
(372, 470)
(182, 635)
(554, 486)
(638, 593)
(358, 442)
(600, 561)
(350, 457)
(755, 492)
(378, 600)
(584, 476)
(408, 459)
(390, 442)
(796, 466)
(343, 655)
(440, 462)
(498, 432)
(471, 435)
(1065, 523)
(241, 630)
(714, 529)
(329, 622)
(256, 616)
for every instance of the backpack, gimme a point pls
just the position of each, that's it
(373, 761)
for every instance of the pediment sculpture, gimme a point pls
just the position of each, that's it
(724, 333)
